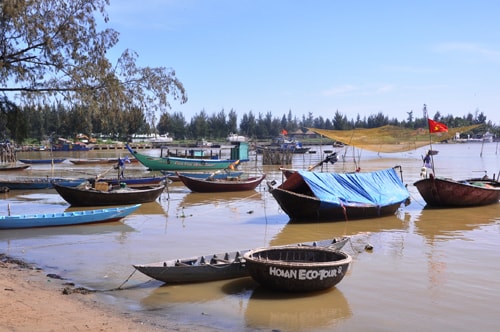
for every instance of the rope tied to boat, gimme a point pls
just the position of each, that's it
(123, 283)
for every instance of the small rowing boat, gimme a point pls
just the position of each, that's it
(66, 218)
(222, 266)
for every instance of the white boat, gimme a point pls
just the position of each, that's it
(236, 138)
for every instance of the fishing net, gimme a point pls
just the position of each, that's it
(388, 139)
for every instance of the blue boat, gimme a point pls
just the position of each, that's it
(27, 183)
(66, 218)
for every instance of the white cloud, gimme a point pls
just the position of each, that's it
(350, 89)
(470, 48)
(340, 90)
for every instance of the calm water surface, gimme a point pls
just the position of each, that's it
(429, 270)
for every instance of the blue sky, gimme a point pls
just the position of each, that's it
(357, 57)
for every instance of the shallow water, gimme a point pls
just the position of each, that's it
(430, 269)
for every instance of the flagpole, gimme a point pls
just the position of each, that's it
(434, 127)
(429, 152)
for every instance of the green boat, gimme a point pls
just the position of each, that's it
(239, 153)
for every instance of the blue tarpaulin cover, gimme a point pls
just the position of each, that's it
(378, 188)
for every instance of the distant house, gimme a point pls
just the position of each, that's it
(300, 134)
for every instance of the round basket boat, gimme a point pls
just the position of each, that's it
(297, 268)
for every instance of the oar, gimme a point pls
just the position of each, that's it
(331, 158)
(105, 172)
(233, 165)
(229, 168)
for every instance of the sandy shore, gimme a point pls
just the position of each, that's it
(32, 301)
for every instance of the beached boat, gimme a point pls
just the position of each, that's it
(86, 195)
(28, 183)
(42, 161)
(7, 168)
(311, 196)
(211, 185)
(223, 174)
(239, 153)
(297, 268)
(222, 266)
(445, 192)
(66, 218)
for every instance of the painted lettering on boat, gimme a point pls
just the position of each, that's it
(305, 274)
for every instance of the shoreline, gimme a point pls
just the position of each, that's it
(33, 301)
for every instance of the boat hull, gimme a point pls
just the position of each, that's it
(66, 218)
(134, 181)
(222, 266)
(42, 161)
(301, 207)
(440, 192)
(13, 168)
(221, 185)
(39, 183)
(317, 196)
(99, 161)
(178, 163)
(82, 196)
(297, 269)
(172, 176)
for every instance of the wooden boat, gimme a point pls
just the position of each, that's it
(169, 163)
(222, 266)
(85, 195)
(99, 161)
(42, 161)
(133, 182)
(223, 174)
(221, 185)
(7, 168)
(311, 196)
(443, 192)
(28, 183)
(66, 218)
(297, 268)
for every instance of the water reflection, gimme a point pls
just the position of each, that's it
(151, 208)
(161, 295)
(44, 232)
(443, 224)
(46, 198)
(296, 312)
(223, 198)
(262, 308)
(301, 232)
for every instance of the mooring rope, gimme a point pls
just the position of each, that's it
(123, 283)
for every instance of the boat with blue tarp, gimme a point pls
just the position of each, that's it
(311, 196)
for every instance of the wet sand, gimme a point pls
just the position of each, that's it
(33, 301)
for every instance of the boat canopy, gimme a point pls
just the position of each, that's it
(378, 188)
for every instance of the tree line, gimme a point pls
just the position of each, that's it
(56, 79)
(26, 124)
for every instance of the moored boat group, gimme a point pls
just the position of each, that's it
(305, 196)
